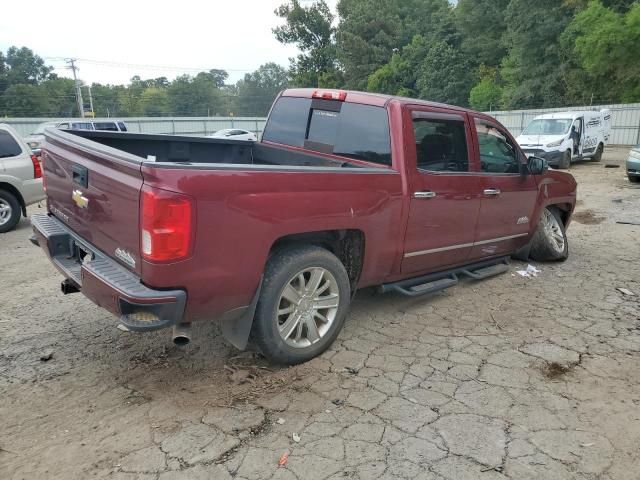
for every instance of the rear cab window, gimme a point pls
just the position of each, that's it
(8, 145)
(350, 130)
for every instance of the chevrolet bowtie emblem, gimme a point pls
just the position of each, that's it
(80, 200)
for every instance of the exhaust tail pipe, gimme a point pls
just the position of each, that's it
(68, 287)
(182, 334)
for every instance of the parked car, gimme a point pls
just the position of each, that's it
(633, 164)
(565, 137)
(235, 134)
(34, 140)
(271, 239)
(20, 178)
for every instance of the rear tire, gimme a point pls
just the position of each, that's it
(549, 243)
(634, 179)
(10, 211)
(598, 155)
(303, 304)
(565, 161)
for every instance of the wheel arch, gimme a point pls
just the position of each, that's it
(346, 244)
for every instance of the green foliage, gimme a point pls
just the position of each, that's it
(445, 76)
(256, 92)
(606, 45)
(311, 30)
(482, 24)
(371, 31)
(486, 94)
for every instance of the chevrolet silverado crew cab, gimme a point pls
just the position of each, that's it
(271, 239)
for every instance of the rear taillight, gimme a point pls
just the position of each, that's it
(166, 224)
(37, 168)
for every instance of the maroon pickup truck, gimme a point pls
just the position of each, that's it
(271, 239)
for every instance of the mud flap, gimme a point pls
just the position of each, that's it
(236, 324)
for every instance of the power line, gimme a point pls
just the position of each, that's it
(149, 66)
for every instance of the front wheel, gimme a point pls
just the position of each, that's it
(565, 161)
(550, 243)
(9, 211)
(303, 304)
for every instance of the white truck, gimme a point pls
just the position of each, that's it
(564, 137)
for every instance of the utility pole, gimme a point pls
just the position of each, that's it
(72, 66)
(91, 100)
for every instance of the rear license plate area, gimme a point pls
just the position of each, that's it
(81, 253)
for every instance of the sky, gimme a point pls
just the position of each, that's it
(118, 39)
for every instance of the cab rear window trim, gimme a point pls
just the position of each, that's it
(295, 134)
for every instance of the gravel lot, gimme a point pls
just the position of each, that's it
(506, 378)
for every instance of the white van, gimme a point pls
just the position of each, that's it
(564, 137)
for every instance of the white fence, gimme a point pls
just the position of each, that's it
(625, 120)
(170, 125)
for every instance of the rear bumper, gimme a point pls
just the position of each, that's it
(32, 191)
(633, 167)
(104, 281)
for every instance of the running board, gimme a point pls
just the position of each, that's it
(435, 282)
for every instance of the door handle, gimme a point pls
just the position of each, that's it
(492, 192)
(427, 194)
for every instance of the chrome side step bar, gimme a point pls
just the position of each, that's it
(434, 282)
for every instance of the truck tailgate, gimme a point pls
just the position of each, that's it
(95, 191)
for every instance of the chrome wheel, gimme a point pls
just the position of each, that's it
(553, 230)
(307, 307)
(5, 211)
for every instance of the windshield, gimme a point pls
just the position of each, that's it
(548, 126)
(42, 126)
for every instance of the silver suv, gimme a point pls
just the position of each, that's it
(20, 178)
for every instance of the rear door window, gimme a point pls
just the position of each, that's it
(346, 129)
(8, 146)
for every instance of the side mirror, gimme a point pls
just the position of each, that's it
(537, 165)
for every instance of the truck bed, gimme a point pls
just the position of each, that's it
(200, 151)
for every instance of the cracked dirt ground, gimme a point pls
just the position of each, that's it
(506, 378)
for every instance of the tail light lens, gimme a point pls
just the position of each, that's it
(37, 168)
(167, 221)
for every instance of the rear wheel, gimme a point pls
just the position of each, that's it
(550, 243)
(598, 155)
(565, 161)
(303, 303)
(9, 211)
(634, 179)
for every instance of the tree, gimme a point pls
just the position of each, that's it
(445, 76)
(371, 31)
(606, 45)
(486, 94)
(155, 102)
(482, 24)
(311, 30)
(399, 76)
(256, 91)
(26, 100)
(22, 66)
(532, 70)
(196, 96)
